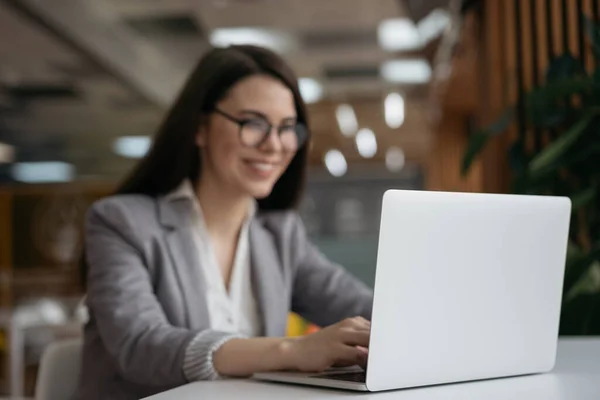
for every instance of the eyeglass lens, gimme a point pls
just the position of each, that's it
(254, 132)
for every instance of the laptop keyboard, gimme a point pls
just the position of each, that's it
(359, 377)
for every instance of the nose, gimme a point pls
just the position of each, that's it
(273, 142)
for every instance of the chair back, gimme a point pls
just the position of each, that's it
(59, 370)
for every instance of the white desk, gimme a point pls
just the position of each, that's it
(576, 377)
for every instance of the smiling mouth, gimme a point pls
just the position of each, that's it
(262, 165)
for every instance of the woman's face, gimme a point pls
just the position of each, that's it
(227, 159)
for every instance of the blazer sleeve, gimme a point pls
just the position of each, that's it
(145, 347)
(324, 292)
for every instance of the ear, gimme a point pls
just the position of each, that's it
(201, 137)
(202, 134)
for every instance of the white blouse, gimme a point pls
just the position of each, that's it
(234, 310)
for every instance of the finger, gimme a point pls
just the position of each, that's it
(349, 355)
(362, 322)
(353, 337)
(362, 360)
(362, 331)
(365, 357)
(357, 322)
(363, 349)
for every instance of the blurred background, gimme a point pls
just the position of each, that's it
(462, 95)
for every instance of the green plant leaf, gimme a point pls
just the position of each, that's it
(476, 143)
(577, 265)
(564, 66)
(588, 152)
(546, 105)
(517, 158)
(528, 184)
(556, 149)
(559, 89)
(583, 198)
(589, 282)
(550, 105)
(479, 139)
(574, 252)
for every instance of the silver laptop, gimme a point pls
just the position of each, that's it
(467, 287)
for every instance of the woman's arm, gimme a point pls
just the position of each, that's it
(148, 350)
(129, 319)
(337, 344)
(244, 357)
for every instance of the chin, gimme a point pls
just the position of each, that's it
(260, 192)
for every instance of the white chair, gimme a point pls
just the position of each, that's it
(59, 370)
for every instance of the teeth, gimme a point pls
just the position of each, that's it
(263, 166)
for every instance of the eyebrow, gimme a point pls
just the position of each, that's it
(264, 116)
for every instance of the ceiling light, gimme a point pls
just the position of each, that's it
(132, 146)
(310, 90)
(398, 34)
(336, 163)
(7, 153)
(406, 71)
(394, 110)
(366, 143)
(433, 24)
(43, 172)
(224, 37)
(346, 119)
(394, 159)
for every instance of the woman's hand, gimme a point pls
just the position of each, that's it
(341, 344)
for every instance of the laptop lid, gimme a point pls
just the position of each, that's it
(468, 286)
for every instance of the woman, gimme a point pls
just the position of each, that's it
(193, 267)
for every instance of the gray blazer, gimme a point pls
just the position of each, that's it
(145, 291)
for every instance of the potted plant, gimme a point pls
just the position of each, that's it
(557, 152)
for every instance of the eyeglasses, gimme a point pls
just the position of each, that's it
(255, 131)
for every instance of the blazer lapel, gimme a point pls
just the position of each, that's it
(174, 216)
(268, 281)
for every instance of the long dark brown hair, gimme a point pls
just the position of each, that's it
(175, 156)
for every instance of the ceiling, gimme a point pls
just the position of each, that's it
(77, 74)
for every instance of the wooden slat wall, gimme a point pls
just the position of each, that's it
(548, 29)
(445, 157)
(458, 99)
(516, 39)
(493, 92)
(19, 281)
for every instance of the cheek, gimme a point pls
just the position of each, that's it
(230, 156)
(224, 152)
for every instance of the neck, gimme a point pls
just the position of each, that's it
(224, 212)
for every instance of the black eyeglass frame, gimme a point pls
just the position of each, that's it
(300, 130)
